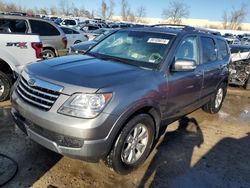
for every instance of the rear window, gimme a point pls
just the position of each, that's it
(69, 22)
(208, 50)
(222, 50)
(13, 26)
(43, 28)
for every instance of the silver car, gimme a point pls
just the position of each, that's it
(53, 39)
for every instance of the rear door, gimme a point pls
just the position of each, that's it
(211, 66)
(49, 34)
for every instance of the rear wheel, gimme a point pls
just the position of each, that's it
(132, 145)
(5, 86)
(78, 41)
(48, 54)
(216, 101)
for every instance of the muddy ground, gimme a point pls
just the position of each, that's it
(211, 151)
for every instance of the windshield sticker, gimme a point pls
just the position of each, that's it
(158, 41)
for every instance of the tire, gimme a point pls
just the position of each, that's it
(216, 101)
(247, 86)
(48, 54)
(78, 41)
(5, 86)
(117, 159)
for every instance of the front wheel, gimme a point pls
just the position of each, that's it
(5, 86)
(216, 101)
(132, 145)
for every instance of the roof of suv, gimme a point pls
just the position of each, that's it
(175, 29)
(23, 17)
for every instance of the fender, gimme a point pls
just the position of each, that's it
(153, 110)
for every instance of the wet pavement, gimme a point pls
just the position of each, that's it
(201, 150)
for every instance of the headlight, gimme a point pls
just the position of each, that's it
(85, 105)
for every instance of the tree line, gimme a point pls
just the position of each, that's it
(173, 13)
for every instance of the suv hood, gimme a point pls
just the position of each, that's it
(81, 73)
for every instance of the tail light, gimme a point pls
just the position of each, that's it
(37, 46)
(65, 41)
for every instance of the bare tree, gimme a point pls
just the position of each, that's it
(124, 10)
(235, 19)
(2, 6)
(106, 10)
(65, 7)
(141, 13)
(225, 20)
(53, 10)
(175, 12)
(11, 7)
(111, 8)
(43, 11)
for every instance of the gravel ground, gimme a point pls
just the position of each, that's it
(201, 150)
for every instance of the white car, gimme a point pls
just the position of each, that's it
(74, 36)
(69, 23)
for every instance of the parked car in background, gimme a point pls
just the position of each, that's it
(69, 22)
(82, 47)
(53, 39)
(239, 68)
(17, 50)
(233, 40)
(74, 36)
(111, 103)
(245, 41)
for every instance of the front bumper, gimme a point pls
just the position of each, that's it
(87, 139)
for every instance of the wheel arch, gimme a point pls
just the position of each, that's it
(149, 109)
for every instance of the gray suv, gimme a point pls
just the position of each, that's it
(110, 103)
(53, 38)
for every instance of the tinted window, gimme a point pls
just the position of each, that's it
(188, 49)
(222, 50)
(69, 22)
(208, 50)
(13, 26)
(43, 28)
(66, 30)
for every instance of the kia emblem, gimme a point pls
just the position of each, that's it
(31, 82)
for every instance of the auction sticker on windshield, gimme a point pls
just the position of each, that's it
(158, 40)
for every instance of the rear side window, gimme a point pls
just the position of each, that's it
(222, 50)
(43, 28)
(208, 50)
(13, 26)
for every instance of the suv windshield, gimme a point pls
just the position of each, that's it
(134, 47)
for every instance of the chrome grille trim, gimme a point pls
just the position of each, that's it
(39, 96)
(36, 90)
(33, 102)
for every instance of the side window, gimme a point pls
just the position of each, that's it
(66, 30)
(235, 50)
(75, 32)
(222, 50)
(208, 50)
(188, 49)
(43, 28)
(13, 26)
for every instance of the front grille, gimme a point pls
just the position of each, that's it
(37, 96)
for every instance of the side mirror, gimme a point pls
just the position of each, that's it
(184, 65)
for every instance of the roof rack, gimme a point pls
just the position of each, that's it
(208, 31)
(175, 26)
